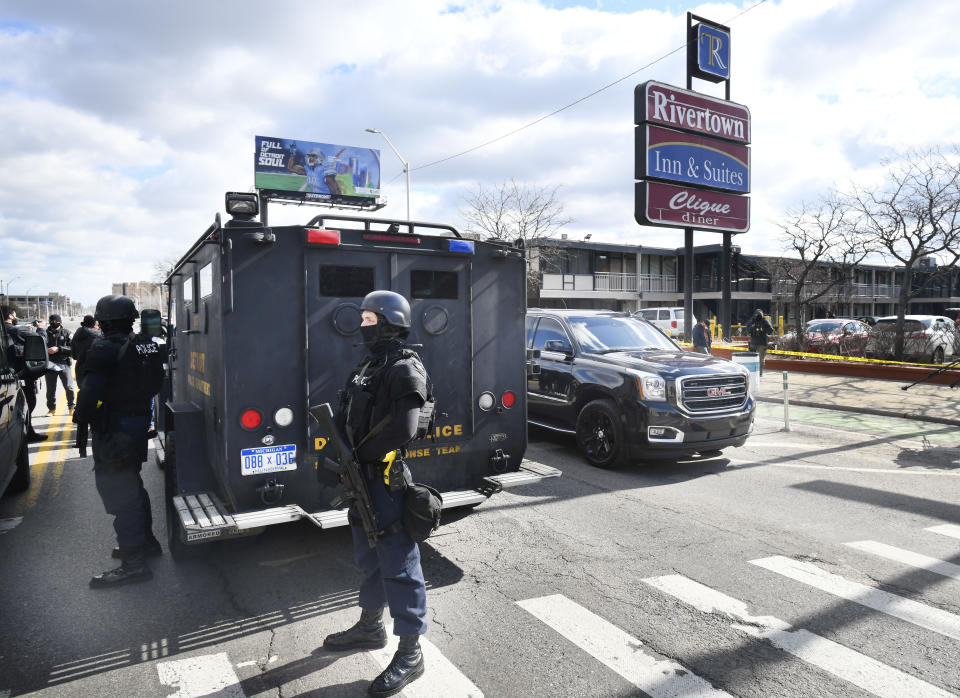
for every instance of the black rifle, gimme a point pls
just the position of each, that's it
(937, 372)
(355, 490)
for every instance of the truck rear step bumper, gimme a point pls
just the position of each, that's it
(203, 517)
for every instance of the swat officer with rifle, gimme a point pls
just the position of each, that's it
(386, 405)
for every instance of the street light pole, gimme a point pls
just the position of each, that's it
(406, 165)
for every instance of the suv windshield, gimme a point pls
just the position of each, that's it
(601, 333)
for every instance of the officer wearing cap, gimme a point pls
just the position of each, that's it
(380, 411)
(122, 374)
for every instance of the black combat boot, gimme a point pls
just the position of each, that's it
(368, 634)
(132, 570)
(150, 549)
(34, 437)
(406, 665)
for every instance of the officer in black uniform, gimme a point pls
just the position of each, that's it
(123, 372)
(380, 411)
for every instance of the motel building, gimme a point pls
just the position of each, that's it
(580, 274)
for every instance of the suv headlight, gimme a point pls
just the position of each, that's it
(652, 388)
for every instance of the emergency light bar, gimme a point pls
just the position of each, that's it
(383, 237)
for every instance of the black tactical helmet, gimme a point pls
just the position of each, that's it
(114, 307)
(55, 318)
(392, 307)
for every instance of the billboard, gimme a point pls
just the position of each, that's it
(323, 172)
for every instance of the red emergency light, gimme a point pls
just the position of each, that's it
(323, 237)
(383, 237)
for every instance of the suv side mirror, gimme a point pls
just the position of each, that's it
(558, 345)
(34, 353)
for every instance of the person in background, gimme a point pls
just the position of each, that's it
(58, 349)
(701, 337)
(759, 331)
(80, 344)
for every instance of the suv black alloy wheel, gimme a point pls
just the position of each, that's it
(600, 435)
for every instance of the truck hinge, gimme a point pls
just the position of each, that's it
(500, 461)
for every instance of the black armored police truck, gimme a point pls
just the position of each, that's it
(263, 323)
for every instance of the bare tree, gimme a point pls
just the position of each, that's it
(827, 249)
(914, 215)
(512, 212)
(163, 267)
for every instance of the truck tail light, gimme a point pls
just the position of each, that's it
(323, 237)
(251, 419)
(673, 324)
(508, 399)
(486, 401)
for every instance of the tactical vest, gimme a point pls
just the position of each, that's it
(366, 404)
(137, 374)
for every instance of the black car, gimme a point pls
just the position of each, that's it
(14, 456)
(629, 392)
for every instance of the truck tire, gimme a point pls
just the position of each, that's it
(600, 435)
(178, 549)
(21, 478)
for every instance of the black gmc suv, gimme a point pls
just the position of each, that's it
(627, 391)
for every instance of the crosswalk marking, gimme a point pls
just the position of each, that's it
(905, 609)
(441, 678)
(660, 678)
(951, 530)
(907, 557)
(842, 662)
(210, 676)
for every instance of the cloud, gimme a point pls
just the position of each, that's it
(123, 128)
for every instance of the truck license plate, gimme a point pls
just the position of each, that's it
(268, 459)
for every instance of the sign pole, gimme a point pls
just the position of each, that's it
(725, 276)
(688, 243)
(688, 284)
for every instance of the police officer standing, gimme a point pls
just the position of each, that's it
(380, 411)
(123, 373)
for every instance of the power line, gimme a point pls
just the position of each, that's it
(571, 104)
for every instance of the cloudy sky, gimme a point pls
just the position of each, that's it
(123, 122)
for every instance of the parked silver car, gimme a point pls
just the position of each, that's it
(925, 338)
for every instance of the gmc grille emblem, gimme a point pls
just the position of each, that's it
(717, 392)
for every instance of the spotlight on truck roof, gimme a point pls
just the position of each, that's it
(242, 205)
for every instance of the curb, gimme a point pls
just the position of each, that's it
(864, 410)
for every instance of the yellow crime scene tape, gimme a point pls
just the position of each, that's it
(860, 359)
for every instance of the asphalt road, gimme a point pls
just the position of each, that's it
(733, 575)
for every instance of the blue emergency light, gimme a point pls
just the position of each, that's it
(465, 246)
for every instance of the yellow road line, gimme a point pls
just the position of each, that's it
(60, 427)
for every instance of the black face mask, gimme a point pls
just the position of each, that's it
(371, 335)
(55, 325)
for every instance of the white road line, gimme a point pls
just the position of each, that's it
(842, 662)
(951, 530)
(9, 525)
(911, 611)
(660, 678)
(441, 678)
(210, 676)
(805, 466)
(932, 564)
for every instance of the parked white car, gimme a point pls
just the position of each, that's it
(925, 338)
(670, 320)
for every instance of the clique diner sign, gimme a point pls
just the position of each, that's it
(692, 159)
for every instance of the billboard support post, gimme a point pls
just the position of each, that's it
(688, 284)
